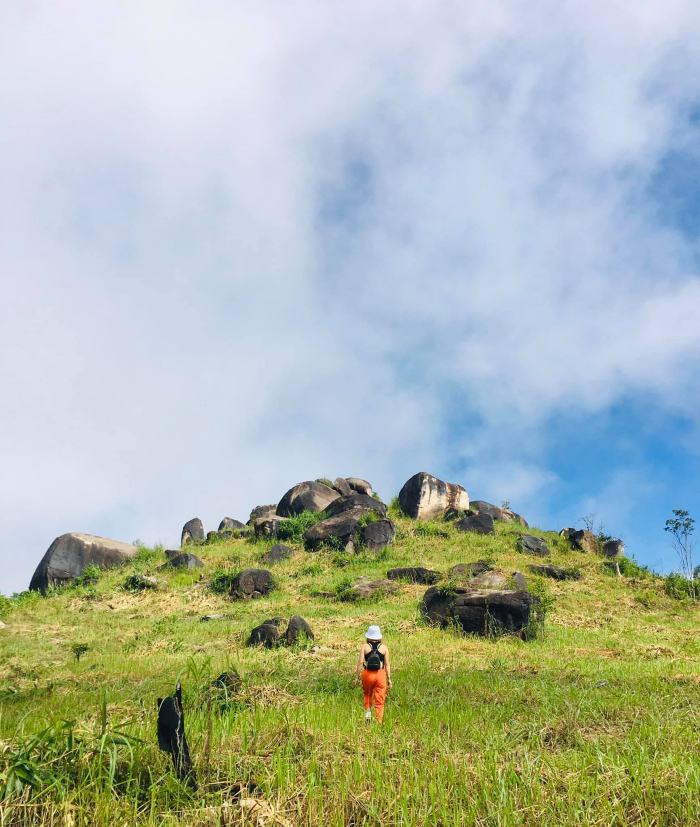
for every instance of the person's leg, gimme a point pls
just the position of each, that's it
(368, 689)
(380, 694)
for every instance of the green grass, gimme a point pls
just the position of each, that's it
(595, 722)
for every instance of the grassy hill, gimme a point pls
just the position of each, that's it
(596, 722)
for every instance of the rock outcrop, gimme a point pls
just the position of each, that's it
(268, 526)
(359, 485)
(478, 612)
(492, 580)
(297, 629)
(477, 524)
(528, 544)
(306, 496)
(353, 501)
(461, 570)
(377, 535)
(277, 554)
(251, 583)
(498, 513)
(192, 532)
(339, 532)
(580, 539)
(261, 511)
(556, 573)
(342, 487)
(425, 497)
(229, 524)
(415, 574)
(613, 549)
(181, 560)
(70, 554)
(268, 634)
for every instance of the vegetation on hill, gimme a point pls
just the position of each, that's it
(594, 722)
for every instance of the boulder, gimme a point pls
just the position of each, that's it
(364, 589)
(342, 487)
(339, 531)
(424, 497)
(306, 496)
(377, 535)
(229, 682)
(268, 526)
(297, 629)
(277, 554)
(528, 544)
(70, 554)
(479, 612)
(477, 524)
(192, 531)
(469, 569)
(229, 524)
(613, 548)
(251, 583)
(359, 485)
(556, 573)
(140, 583)
(261, 511)
(496, 580)
(171, 735)
(500, 514)
(520, 581)
(182, 560)
(580, 539)
(267, 634)
(415, 574)
(356, 501)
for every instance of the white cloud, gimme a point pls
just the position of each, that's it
(247, 245)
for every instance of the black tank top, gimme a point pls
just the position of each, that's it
(372, 655)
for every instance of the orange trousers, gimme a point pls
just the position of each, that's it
(374, 687)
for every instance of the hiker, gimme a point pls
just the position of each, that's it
(374, 669)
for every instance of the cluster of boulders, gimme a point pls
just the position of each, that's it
(269, 633)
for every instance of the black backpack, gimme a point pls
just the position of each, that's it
(375, 659)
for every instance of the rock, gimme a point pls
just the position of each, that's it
(251, 583)
(424, 497)
(342, 487)
(229, 524)
(171, 735)
(415, 574)
(477, 524)
(497, 513)
(306, 496)
(496, 580)
(182, 560)
(140, 583)
(359, 485)
(339, 531)
(230, 682)
(70, 554)
(363, 589)
(479, 612)
(192, 531)
(297, 629)
(268, 526)
(377, 535)
(528, 544)
(613, 548)
(209, 618)
(556, 573)
(580, 539)
(520, 581)
(261, 511)
(277, 554)
(469, 569)
(267, 634)
(356, 501)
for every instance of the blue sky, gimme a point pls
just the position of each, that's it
(245, 246)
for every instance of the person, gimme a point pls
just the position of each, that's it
(374, 670)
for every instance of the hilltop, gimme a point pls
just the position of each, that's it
(592, 720)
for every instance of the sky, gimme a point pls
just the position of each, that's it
(244, 245)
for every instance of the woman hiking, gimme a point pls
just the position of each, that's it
(374, 669)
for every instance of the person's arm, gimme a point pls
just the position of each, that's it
(387, 666)
(360, 663)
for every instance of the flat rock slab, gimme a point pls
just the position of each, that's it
(70, 554)
(415, 574)
(250, 584)
(277, 554)
(469, 569)
(477, 524)
(425, 497)
(528, 544)
(556, 573)
(478, 612)
(489, 580)
(306, 496)
(364, 589)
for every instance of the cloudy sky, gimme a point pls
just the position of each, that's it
(243, 245)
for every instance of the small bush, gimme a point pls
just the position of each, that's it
(293, 528)
(679, 587)
(6, 605)
(542, 605)
(137, 583)
(89, 576)
(146, 556)
(430, 528)
(368, 517)
(79, 649)
(221, 581)
(628, 568)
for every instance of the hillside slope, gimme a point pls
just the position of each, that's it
(596, 722)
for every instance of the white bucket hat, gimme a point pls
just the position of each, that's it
(374, 633)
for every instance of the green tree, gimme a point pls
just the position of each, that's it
(681, 527)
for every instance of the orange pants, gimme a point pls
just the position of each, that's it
(374, 687)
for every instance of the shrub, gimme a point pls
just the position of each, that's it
(79, 649)
(221, 581)
(293, 528)
(628, 568)
(431, 529)
(138, 583)
(6, 605)
(89, 576)
(679, 587)
(542, 605)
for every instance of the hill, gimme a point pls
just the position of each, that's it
(594, 721)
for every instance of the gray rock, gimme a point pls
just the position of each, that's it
(192, 531)
(261, 511)
(377, 535)
(478, 612)
(356, 501)
(365, 589)
(229, 524)
(613, 548)
(267, 634)
(339, 531)
(528, 544)
(342, 487)
(556, 573)
(415, 574)
(229, 682)
(277, 554)
(306, 496)
(182, 560)
(580, 539)
(497, 513)
(520, 581)
(70, 554)
(477, 524)
(425, 497)
(209, 618)
(359, 485)
(489, 580)
(140, 583)
(297, 629)
(268, 526)
(251, 583)
(469, 569)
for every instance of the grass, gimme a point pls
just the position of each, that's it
(595, 722)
